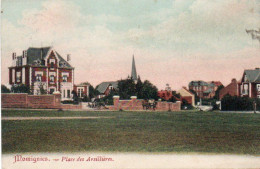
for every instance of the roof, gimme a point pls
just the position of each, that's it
(208, 91)
(198, 83)
(34, 54)
(253, 75)
(133, 73)
(104, 85)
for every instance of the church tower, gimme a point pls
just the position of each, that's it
(133, 73)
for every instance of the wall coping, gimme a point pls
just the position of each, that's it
(115, 96)
(14, 93)
(133, 97)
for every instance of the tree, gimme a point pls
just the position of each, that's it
(217, 92)
(20, 89)
(139, 88)
(75, 96)
(126, 88)
(4, 89)
(143, 90)
(149, 91)
(42, 90)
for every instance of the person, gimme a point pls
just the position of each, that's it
(254, 105)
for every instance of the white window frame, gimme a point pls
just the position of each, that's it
(258, 87)
(18, 76)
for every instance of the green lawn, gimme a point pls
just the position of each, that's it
(133, 132)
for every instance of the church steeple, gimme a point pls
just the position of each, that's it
(133, 73)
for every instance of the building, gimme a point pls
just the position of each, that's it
(165, 94)
(43, 68)
(204, 89)
(133, 72)
(82, 90)
(250, 84)
(187, 96)
(231, 89)
(105, 88)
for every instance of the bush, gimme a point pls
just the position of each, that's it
(69, 102)
(20, 89)
(4, 89)
(239, 103)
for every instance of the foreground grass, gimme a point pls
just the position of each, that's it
(133, 132)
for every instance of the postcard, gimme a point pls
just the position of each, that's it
(130, 84)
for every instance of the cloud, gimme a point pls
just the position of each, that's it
(214, 26)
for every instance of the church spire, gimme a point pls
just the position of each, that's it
(133, 73)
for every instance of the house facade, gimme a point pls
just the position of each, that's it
(82, 90)
(204, 89)
(105, 88)
(231, 89)
(250, 84)
(187, 96)
(43, 69)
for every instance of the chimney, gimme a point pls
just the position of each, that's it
(24, 57)
(68, 57)
(41, 53)
(14, 56)
(233, 80)
(24, 53)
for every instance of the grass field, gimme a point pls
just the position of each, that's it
(132, 132)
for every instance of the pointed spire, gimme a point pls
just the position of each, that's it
(133, 73)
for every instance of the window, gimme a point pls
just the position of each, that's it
(258, 96)
(18, 77)
(245, 88)
(38, 78)
(258, 87)
(52, 78)
(52, 61)
(64, 78)
(52, 65)
(68, 93)
(80, 92)
(64, 93)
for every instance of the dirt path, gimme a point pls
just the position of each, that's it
(51, 118)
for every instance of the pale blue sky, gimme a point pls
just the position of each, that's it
(173, 41)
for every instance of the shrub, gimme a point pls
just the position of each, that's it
(239, 103)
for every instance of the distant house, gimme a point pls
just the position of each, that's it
(232, 89)
(82, 90)
(105, 88)
(165, 94)
(187, 96)
(250, 84)
(204, 89)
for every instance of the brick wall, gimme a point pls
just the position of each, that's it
(14, 100)
(136, 104)
(23, 100)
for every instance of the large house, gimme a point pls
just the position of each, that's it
(250, 84)
(43, 68)
(204, 89)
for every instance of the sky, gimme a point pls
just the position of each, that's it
(173, 42)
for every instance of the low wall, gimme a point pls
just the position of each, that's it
(136, 104)
(23, 100)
